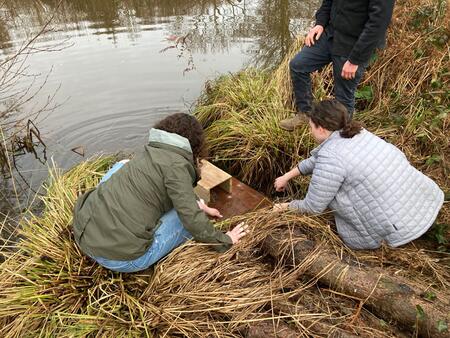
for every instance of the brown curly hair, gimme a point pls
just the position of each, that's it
(187, 126)
(333, 115)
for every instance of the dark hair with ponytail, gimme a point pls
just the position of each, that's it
(333, 115)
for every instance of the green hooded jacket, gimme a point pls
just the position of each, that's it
(117, 219)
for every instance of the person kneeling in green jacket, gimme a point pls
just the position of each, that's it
(146, 207)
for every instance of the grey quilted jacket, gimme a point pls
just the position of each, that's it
(374, 192)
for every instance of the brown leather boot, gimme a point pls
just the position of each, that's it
(293, 122)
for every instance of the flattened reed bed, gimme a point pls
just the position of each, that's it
(48, 288)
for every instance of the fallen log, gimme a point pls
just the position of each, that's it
(276, 329)
(316, 328)
(386, 296)
(365, 324)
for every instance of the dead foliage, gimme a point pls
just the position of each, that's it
(48, 287)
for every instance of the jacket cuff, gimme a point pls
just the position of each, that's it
(322, 23)
(225, 242)
(295, 205)
(299, 167)
(358, 60)
(305, 167)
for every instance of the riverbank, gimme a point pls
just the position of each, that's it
(404, 98)
(48, 287)
(304, 283)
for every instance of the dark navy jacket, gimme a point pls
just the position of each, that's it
(358, 26)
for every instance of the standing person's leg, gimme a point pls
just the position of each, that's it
(344, 90)
(308, 60)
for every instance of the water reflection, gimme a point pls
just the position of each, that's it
(115, 83)
(282, 20)
(130, 17)
(212, 24)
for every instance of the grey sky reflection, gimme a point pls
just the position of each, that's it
(115, 82)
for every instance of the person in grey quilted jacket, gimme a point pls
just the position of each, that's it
(375, 194)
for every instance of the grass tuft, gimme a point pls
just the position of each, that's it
(49, 288)
(403, 98)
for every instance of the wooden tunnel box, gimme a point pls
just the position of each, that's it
(212, 178)
(224, 192)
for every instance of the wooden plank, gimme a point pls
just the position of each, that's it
(212, 177)
(227, 186)
(203, 193)
(222, 191)
(241, 200)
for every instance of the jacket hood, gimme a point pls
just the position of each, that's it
(172, 139)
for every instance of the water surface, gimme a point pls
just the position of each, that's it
(116, 67)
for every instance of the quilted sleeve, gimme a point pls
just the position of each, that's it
(327, 177)
(306, 167)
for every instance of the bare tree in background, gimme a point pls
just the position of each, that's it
(19, 110)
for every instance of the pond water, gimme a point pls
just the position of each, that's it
(113, 67)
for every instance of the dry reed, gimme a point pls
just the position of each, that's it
(406, 102)
(49, 288)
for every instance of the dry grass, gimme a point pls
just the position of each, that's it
(240, 114)
(48, 288)
(409, 104)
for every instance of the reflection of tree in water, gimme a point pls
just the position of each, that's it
(281, 21)
(105, 16)
(5, 38)
(212, 24)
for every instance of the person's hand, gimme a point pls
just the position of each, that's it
(207, 210)
(280, 183)
(213, 212)
(349, 70)
(280, 207)
(238, 232)
(313, 35)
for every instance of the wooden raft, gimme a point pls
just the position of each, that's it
(230, 196)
